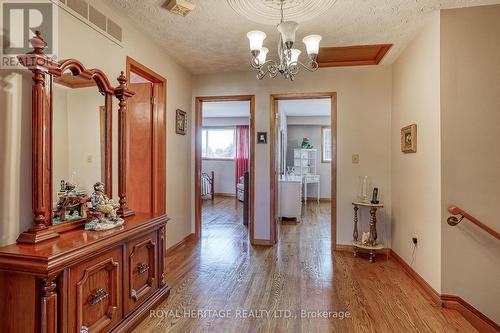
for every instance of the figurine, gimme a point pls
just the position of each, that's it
(365, 236)
(102, 205)
(306, 144)
(70, 203)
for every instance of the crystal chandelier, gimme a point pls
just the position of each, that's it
(288, 64)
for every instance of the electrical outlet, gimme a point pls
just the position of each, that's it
(355, 159)
(415, 239)
(90, 159)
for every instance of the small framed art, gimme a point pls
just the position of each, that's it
(180, 122)
(409, 139)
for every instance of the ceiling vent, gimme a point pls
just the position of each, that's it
(179, 7)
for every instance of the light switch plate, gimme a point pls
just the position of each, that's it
(355, 159)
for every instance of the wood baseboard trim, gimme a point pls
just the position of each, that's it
(183, 242)
(262, 242)
(477, 319)
(435, 297)
(469, 312)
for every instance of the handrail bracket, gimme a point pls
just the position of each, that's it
(453, 221)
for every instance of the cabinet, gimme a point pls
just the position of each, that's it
(141, 257)
(304, 161)
(291, 197)
(305, 164)
(95, 292)
(85, 280)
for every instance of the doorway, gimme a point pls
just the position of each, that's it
(224, 159)
(278, 167)
(146, 127)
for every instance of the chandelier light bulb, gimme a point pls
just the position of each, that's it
(256, 39)
(287, 30)
(312, 44)
(288, 64)
(262, 55)
(295, 53)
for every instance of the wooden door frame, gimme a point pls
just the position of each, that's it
(197, 172)
(272, 123)
(159, 134)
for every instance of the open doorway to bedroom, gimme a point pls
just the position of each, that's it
(303, 163)
(224, 166)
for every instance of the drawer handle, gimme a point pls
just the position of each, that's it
(142, 268)
(98, 297)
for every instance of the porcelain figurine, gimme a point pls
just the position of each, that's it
(104, 209)
(101, 203)
(306, 144)
(365, 236)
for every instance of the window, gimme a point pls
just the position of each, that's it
(218, 143)
(326, 144)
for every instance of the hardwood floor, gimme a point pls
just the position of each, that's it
(222, 272)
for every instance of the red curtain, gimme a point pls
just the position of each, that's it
(242, 151)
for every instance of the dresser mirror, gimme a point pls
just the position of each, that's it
(79, 147)
(72, 113)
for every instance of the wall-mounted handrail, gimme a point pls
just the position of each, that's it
(453, 220)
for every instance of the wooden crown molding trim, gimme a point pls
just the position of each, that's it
(355, 55)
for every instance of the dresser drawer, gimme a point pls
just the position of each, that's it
(95, 293)
(141, 273)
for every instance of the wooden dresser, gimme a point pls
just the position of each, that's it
(59, 277)
(104, 281)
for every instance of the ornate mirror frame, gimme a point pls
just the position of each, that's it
(45, 70)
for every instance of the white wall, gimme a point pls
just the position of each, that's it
(77, 40)
(364, 106)
(416, 178)
(225, 121)
(470, 127)
(225, 175)
(313, 132)
(312, 120)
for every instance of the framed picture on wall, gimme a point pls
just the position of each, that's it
(180, 122)
(409, 139)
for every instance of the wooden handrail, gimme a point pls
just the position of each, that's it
(453, 220)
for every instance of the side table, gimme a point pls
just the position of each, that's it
(372, 245)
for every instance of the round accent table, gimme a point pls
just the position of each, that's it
(372, 245)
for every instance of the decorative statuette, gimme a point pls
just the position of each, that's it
(306, 144)
(103, 210)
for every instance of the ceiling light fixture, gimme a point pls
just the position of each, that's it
(288, 64)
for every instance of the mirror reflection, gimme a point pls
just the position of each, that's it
(78, 145)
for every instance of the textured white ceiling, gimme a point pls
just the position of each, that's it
(269, 11)
(213, 37)
(306, 107)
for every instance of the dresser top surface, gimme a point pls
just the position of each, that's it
(78, 239)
